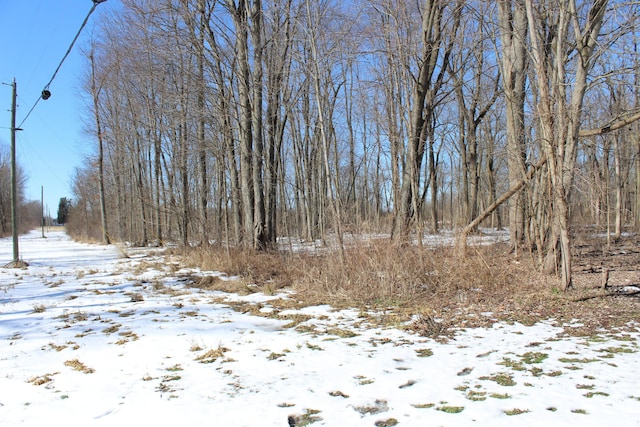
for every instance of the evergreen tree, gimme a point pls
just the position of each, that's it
(63, 210)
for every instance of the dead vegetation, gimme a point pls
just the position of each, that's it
(76, 365)
(420, 283)
(212, 355)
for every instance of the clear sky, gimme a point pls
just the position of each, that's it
(34, 37)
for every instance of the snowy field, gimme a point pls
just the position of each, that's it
(90, 338)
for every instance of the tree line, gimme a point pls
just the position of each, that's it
(240, 121)
(29, 212)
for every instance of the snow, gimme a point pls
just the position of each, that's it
(137, 330)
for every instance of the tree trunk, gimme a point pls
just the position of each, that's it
(245, 121)
(259, 222)
(559, 104)
(513, 68)
(203, 191)
(106, 239)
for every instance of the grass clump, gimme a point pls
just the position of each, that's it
(585, 386)
(195, 347)
(57, 347)
(591, 394)
(386, 423)
(309, 417)
(41, 379)
(423, 405)
(212, 355)
(616, 350)
(501, 378)
(275, 356)
(500, 395)
(450, 409)
(338, 393)
(528, 358)
(378, 407)
(424, 352)
(311, 346)
(111, 329)
(76, 365)
(126, 336)
(576, 360)
(342, 333)
(516, 411)
(362, 380)
(476, 396)
(513, 364)
(533, 357)
(39, 308)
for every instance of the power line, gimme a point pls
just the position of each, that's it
(45, 92)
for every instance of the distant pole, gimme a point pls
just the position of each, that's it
(14, 199)
(42, 208)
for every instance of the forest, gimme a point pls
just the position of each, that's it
(238, 122)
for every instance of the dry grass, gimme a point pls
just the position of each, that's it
(41, 379)
(257, 268)
(374, 275)
(39, 308)
(77, 365)
(410, 281)
(383, 275)
(211, 355)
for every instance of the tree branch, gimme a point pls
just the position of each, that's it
(617, 124)
(461, 241)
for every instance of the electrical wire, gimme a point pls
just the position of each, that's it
(46, 88)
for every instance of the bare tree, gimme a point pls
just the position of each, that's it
(512, 20)
(434, 48)
(563, 41)
(95, 94)
(476, 93)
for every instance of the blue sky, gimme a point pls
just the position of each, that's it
(35, 35)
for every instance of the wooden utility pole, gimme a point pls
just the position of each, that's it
(14, 200)
(42, 220)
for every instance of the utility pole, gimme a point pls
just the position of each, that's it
(14, 199)
(45, 95)
(42, 218)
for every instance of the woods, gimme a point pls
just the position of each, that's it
(236, 122)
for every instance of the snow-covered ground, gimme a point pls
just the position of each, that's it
(90, 338)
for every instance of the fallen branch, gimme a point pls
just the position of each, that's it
(461, 241)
